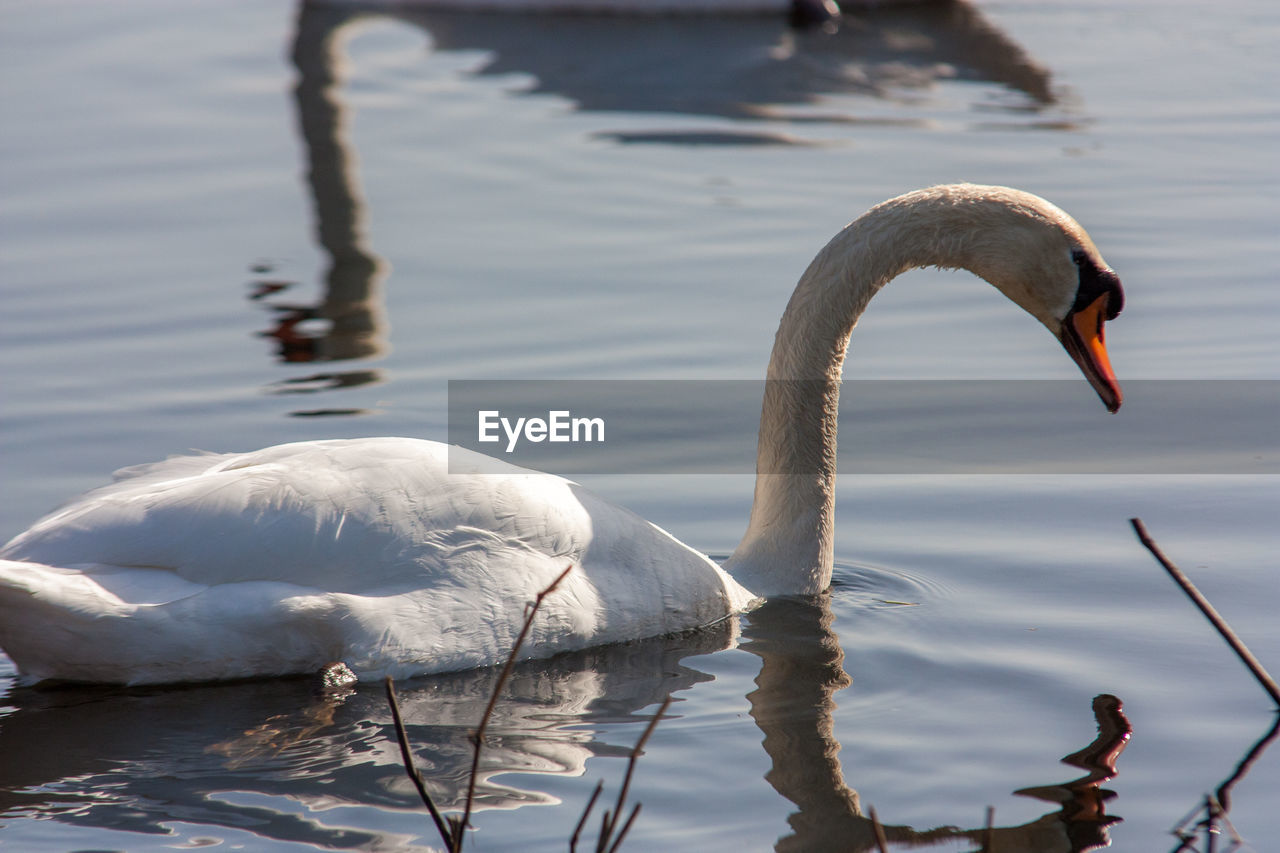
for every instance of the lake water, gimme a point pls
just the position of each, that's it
(232, 224)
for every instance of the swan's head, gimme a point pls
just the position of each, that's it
(1045, 262)
(1098, 298)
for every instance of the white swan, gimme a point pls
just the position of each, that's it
(369, 551)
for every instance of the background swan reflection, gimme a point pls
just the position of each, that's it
(753, 69)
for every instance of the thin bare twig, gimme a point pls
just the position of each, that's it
(606, 829)
(622, 833)
(1224, 790)
(610, 821)
(1237, 645)
(582, 821)
(635, 754)
(453, 830)
(1236, 841)
(1210, 823)
(411, 768)
(478, 737)
(882, 843)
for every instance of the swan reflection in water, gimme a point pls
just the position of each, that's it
(228, 756)
(730, 66)
(248, 755)
(752, 69)
(802, 667)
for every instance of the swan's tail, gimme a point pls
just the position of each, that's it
(47, 616)
(110, 624)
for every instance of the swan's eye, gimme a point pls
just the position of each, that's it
(1094, 282)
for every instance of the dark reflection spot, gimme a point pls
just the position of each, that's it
(324, 413)
(326, 382)
(703, 137)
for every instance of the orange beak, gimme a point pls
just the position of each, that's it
(1082, 336)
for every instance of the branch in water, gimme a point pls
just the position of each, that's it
(1259, 672)
(453, 830)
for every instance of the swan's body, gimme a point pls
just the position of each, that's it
(371, 551)
(366, 551)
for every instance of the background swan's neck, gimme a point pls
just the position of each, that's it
(787, 548)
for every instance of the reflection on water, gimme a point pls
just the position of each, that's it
(1211, 820)
(742, 68)
(131, 759)
(802, 666)
(352, 312)
(1082, 819)
(1223, 794)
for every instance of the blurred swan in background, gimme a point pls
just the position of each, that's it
(750, 68)
(803, 12)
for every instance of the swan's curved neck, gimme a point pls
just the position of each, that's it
(787, 548)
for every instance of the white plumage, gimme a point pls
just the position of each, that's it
(367, 551)
(400, 557)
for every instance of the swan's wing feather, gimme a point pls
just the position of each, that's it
(342, 516)
(371, 551)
